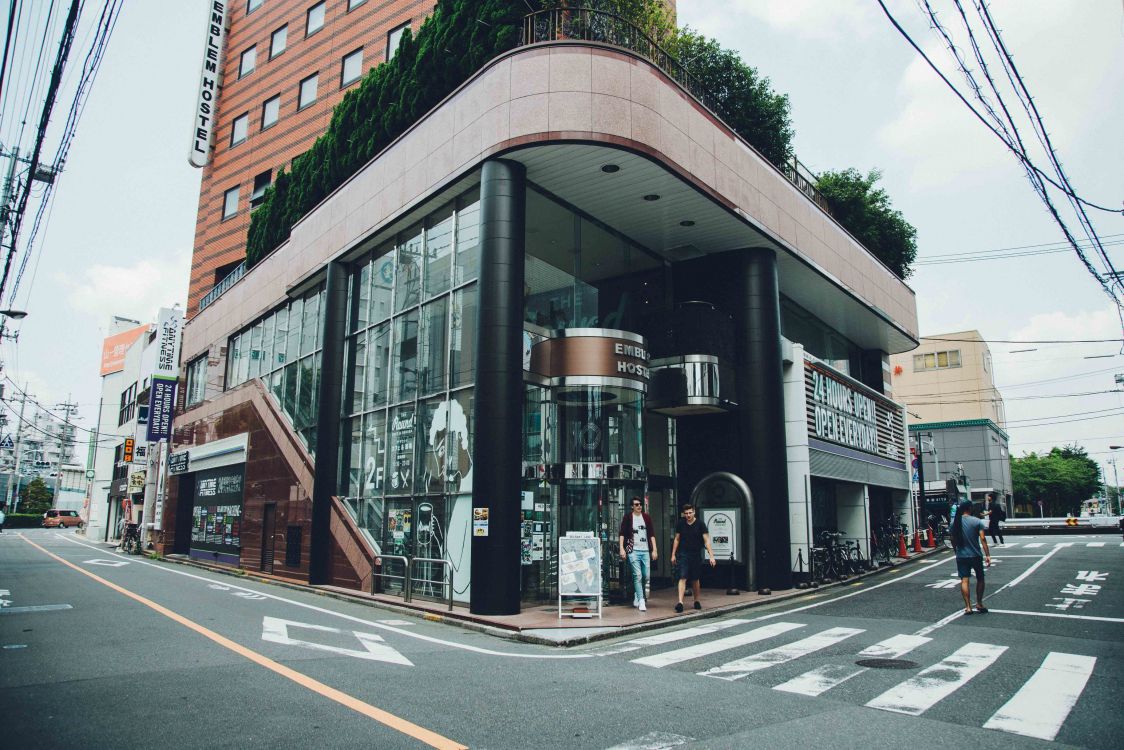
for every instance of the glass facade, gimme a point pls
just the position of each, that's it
(408, 398)
(283, 349)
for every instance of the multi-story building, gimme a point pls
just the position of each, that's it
(956, 416)
(286, 64)
(566, 285)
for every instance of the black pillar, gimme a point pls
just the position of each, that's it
(326, 463)
(761, 399)
(498, 442)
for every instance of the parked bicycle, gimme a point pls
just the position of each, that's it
(130, 540)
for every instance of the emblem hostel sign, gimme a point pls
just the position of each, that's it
(203, 129)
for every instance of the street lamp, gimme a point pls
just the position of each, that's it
(13, 315)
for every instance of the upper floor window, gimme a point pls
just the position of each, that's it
(936, 360)
(261, 182)
(248, 62)
(128, 404)
(196, 381)
(353, 4)
(315, 19)
(230, 202)
(278, 41)
(270, 111)
(307, 91)
(393, 37)
(239, 129)
(352, 68)
(252, 5)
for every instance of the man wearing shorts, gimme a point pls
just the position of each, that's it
(691, 536)
(967, 537)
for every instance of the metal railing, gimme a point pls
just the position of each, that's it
(590, 25)
(408, 581)
(227, 282)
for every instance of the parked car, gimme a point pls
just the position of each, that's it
(56, 518)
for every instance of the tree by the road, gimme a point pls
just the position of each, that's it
(37, 497)
(1061, 479)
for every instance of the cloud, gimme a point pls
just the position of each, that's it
(137, 291)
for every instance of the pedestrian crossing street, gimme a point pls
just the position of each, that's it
(1037, 545)
(1038, 708)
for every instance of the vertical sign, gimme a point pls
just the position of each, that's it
(162, 398)
(203, 129)
(127, 453)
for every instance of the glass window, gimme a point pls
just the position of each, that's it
(261, 183)
(918, 362)
(307, 392)
(457, 466)
(270, 111)
(277, 385)
(462, 333)
(433, 346)
(248, 62)
(404, 364)
(315, 19)
(393, 37)
(374, 453)
(321, 301)
(230, 203)
(243, 360)
(252, 5)
(196, 381)
(358, 371)
(307, 91)
(468, 240)
(309, 323)
(942, 359)
(267, 345)
(289, 394)
(930, 361)
(378, 344)
(954, 359)
(432, 423)
(408, 272)
(278, 41)
(281, 333)
(355, 459)
(439, 253)
(382, 284)
(239, 129)
(361, 297)
(353, 4)
(255, 351)
(352, 68)
(293, 344)
(401, 439)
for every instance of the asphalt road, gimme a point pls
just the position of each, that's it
(101, 650)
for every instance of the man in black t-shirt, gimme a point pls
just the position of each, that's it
(691, 535)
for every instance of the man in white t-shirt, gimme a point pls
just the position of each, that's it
(638, 546)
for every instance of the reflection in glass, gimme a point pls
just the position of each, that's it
(431, 357)
(401, 459)
(462, 331)
(439, 253)
(430, 445)
(404, 364)
(408, 272)
(468, 239)
(378, 344)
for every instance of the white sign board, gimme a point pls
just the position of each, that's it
(579, 566)
(722, 523)
(203, 129)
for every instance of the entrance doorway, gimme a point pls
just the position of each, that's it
(268, 537)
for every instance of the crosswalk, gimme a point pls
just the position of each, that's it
(1039, 545)
(1039, 708)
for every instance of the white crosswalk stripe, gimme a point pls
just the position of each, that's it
(824, 678)
(1035, 545)
(739, 668)
(1043, 703)
(923, 691)
(721, 644)
(1094, 544)
(685, 633)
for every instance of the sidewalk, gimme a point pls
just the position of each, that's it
(539, 623)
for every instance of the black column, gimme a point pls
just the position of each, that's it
(761, 399)
(498, 412)
(326, 465)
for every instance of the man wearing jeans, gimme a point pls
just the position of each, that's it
(638, 546)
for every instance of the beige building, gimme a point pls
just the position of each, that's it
(949, 378)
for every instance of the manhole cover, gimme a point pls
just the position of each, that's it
(887, 663)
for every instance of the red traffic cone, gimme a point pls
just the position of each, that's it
(902, 551)
(916, 541)
(931, 537)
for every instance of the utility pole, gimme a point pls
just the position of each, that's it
(69, 409)
(13, 503)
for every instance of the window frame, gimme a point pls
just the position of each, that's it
(226, 201)
(400, 29)
(243, 118)
(254, 194)
(353, 4)
(315, 78)
(322, 6)
(252, 5)
(345, 82)
(252, 50)
(273, 54)
(266, 125)
(196, 381)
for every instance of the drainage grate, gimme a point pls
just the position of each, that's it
(888, 663)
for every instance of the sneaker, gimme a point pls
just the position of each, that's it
(635, 602)
(697, 605)
(679, 607)
(643, 606)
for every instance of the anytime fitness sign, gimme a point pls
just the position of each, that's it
(840, 412)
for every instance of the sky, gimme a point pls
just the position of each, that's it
(121, 227)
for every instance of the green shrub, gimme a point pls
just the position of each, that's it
(867, 213)
(23, 520)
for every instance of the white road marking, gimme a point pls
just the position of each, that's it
(1033, 545)
(1094, 544)
(1023, 576)
(106, 563)
(931, 685)
(1009, 544)
(1056, 614)
(1064, 544)
(824, 678)
(679, 635)
(1043, 703)
(654, 741)
(34, 608)
(721, 644)
(739, 668)
(276, 630)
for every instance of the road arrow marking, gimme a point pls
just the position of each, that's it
(106, 563)
(276, 630)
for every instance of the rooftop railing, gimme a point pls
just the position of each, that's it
(590, 25)
(227, 282)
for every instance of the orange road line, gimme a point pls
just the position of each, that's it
(383, 717)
